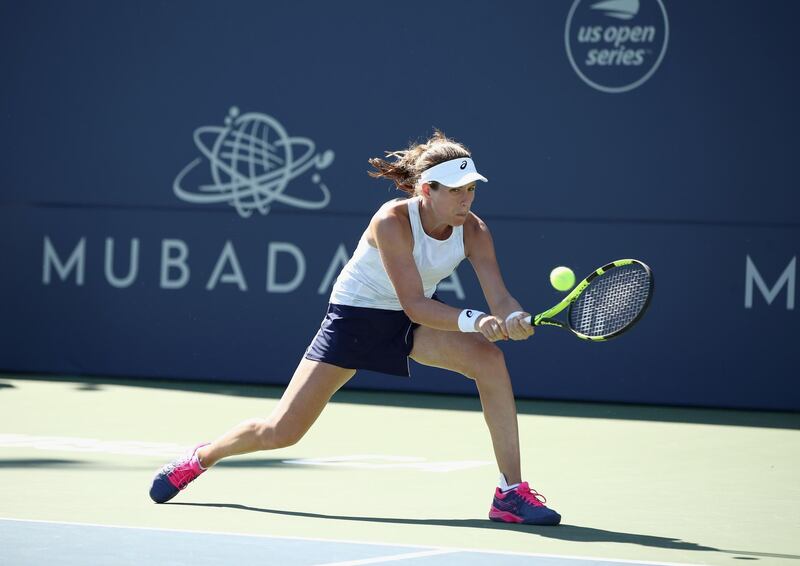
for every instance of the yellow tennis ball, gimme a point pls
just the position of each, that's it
(562, 278)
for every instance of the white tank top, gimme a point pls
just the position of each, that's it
(363, 281)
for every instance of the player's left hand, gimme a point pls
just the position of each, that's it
(517, 327)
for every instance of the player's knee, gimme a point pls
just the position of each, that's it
(487, 359)
(493, 356)
(268, 434)
(281, 435)
(261, 430)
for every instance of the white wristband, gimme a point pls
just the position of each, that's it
(467, 320)
(512, 315)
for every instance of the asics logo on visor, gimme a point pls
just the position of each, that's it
(452, 173)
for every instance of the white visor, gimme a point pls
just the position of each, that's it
(453, 173)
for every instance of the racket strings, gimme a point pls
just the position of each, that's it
(611, 301)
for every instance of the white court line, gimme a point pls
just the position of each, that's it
(346, 541)
(392, 558)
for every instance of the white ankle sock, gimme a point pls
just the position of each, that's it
(503, 485)
(199, 463)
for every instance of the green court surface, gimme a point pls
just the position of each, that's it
(415, 472)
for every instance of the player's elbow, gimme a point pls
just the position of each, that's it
(413, 309)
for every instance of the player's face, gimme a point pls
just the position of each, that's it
(453, 203)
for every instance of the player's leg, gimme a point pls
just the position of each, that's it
(475, 357)
(310, 389)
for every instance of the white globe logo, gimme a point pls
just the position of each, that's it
(251, 161)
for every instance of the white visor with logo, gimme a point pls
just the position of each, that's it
(453, 173)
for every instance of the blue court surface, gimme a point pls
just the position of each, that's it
(55, 543)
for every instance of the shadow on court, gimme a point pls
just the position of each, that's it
(39, 463)
(570, 533)
(31, 463)
(444, 402)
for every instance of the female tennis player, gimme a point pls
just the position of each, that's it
(383, 310)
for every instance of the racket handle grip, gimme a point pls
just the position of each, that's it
(527, 319)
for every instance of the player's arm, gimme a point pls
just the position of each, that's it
(392, 235)
(395, 244)
(480, 250)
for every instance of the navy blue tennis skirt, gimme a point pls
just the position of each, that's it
(364, 338)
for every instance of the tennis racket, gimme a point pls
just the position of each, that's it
(607, 303)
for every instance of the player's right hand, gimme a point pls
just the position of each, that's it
(493, 328)
(517, 327)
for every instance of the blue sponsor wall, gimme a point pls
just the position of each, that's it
(181, 180)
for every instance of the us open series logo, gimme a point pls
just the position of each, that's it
(616, 45)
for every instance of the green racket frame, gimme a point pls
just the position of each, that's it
(546, 318)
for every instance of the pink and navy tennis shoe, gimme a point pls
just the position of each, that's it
(176, 475)
(522, 505)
